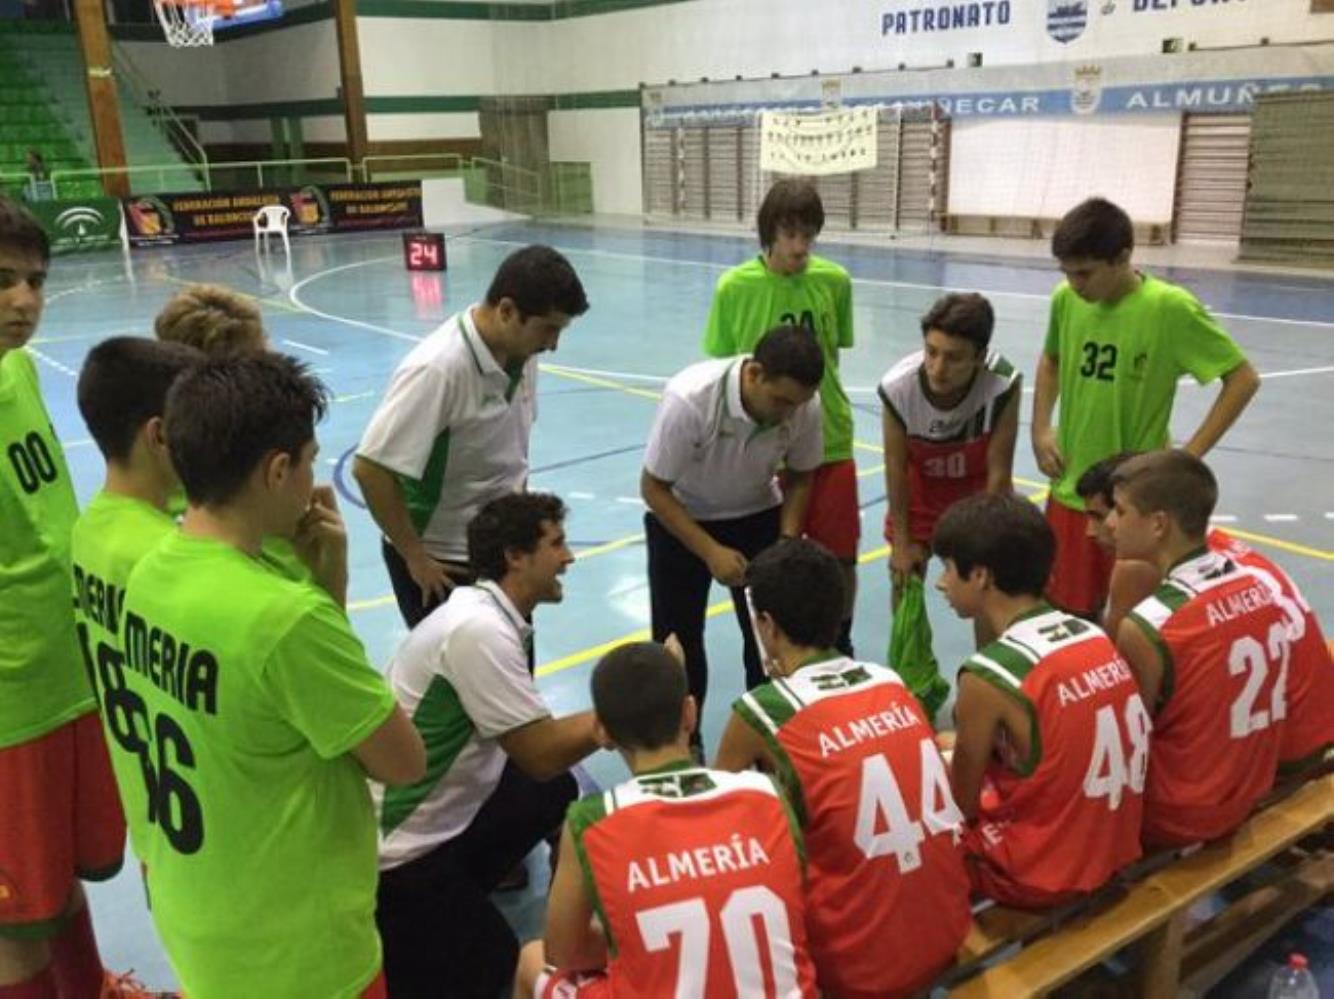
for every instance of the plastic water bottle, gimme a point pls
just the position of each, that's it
(1293, 981)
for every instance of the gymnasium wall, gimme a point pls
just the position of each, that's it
(426, 62)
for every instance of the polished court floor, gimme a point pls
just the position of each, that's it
(348, 308)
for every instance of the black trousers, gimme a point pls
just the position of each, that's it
(406, 591)
(679, 582)
(442, 936)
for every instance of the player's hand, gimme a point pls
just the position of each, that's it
(429, 575)
(675, 649)
(321, 540)
(906, 558)
(1048, 453)
(728, 566)
(320, 534)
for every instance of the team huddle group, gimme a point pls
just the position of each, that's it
(307, 826)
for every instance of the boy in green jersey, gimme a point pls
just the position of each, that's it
(250, 705)
(122, 392)
(1118, 341)
(60, 820)
(787, 284)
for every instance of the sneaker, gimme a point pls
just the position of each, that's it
(126, 986)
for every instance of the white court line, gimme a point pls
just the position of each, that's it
(874, 282)
(69, 445)
(1281, 518)
(305, 346)
(1329, 514)
(632, 500)
(355, 396)
(1223, 518)
(47, 359)
(296, 300)
(584, 496)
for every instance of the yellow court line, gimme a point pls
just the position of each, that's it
(1287, 546)
(579, 376)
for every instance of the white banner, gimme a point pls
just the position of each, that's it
(817, 144)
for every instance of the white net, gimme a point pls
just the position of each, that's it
(186, 25)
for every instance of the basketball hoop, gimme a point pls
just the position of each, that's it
(189, 23)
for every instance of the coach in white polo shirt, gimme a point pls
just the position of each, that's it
(722, 430)
(497, 777)
(452, 431)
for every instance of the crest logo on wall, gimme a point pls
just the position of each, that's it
(1066, 19)
(1087, 92)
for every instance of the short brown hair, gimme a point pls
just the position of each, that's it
(963, 314)
(791, 202)
(1174, 482)
(213, 319)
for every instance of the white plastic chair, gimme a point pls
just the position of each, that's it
(268, 220)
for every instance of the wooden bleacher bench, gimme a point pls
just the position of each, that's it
(1149, 906)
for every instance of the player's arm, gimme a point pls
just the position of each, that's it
(796, 498)
(907, 555)
(548, 747)
(804, 455)
(1004, 437)
(1132, 580)
(1239, 387)
(394, 753)
(1144, 659)
(573, 939)
(1046, 389)
(742, 748)
(978, 715)
(727, 565)
(384, 497)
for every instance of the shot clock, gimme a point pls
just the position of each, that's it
(424, 251)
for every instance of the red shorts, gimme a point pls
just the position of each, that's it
(61, 820)
(833, 517)
(991, 881)
(1082, 572)
(553, 984)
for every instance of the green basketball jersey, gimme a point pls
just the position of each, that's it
(42, 684)
(244, 693)
(1119, 367)
(109, 539)
(750, 300)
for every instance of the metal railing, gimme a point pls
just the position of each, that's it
(511, 187)
(453, 163)
(160, 113)
(232, 171)
(560, 188)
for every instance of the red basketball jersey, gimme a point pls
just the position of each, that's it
(947, 448)
(1227, 649)
(1068, 817)
(697, 876)
(887, 905)
(1309, 726)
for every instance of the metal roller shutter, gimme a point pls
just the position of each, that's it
(1211, 178)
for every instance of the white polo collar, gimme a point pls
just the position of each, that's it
(492, 589)
(732, 404)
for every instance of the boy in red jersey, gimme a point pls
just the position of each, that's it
(1211, 650)
(1048, 715)
(695, 876)
(951, 419)
(1309, 727)
(887, 906)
